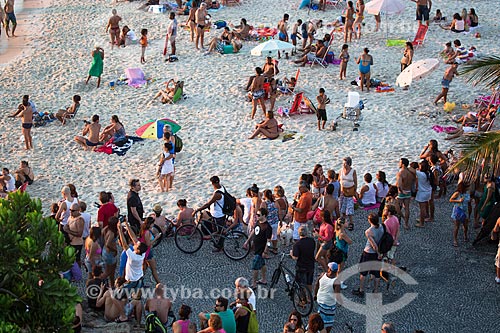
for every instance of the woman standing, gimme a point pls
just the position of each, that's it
(254, 210)
(316, 324)
(344, 57)
(272, 217)
(424, 191)
(97, 65)
(319, 181)
(460, 200)
(166, 168)
(146, 237)
(342, 242)
(365, 61)
(360, 9)
(93, 250)
(325, 238)
(349, 21)
(257, 91)
(348, 186)
(407, 56)
(294, 323)
(281, 201)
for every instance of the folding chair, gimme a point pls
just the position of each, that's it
(337, 4)
(284, 89)
(72, 115)
(420, 36)
(352, 109)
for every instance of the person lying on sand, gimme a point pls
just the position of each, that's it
(483, 124)
(69, 112)
(92, 129)
(268, 128)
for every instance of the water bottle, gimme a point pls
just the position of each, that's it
(288, 278)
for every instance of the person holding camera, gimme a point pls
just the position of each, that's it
(91, 129)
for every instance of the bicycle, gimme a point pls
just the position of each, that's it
(189, 237)
(299, 294)
(159, 233)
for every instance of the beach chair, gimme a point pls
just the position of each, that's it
(352, 109)
(178, 93)
(320, 61)
(294, 109)
(336, 4)
(420, 36)
(72, 115)
(285, 89)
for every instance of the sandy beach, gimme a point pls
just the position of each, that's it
(215, 116)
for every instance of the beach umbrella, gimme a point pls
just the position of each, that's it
(271, 48)
(416, 71)
(386, 7)
(153, 129)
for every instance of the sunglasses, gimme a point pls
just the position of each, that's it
(218, 305)
(292, 319)
(74, 210)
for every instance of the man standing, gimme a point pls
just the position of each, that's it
(303, 251)
(10, 17)
(106, 210)
(404, 181)
(327, 292)
(27, 123)
(135, 210)
(260, 234)
(423, 10)
(172, 32)
(92, 129)
(301, 208)
(74, 229)
(241, 287)
(215, 203)
(226, 315)
(283, 31)
(445, 82)
(200, 17)
(159, 304)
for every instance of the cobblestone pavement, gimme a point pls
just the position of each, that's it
(456, 288)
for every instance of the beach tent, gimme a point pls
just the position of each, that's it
(386, 7)
(153, 129)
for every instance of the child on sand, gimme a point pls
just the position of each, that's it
(166, 168)
(144, 44)
(344, 57)
(322, 101)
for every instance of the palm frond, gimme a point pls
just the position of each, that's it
(484, 71)
(479, 149)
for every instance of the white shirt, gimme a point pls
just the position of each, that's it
(10, 184)
(251, 300)
(326, 293)
(369, 196)
(216, 208)
(172, 28)
(133, 268)
(382, 189)
(247, 203)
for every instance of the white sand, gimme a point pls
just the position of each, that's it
(214, 117)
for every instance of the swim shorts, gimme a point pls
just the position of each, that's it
(258, 94)
(27, 125)
(282, 36)
(258, 262)
(321, 114)
(403, 196)
(422, 12)
(293, 37)
(91, 144)
(11, 17)
(445, 83)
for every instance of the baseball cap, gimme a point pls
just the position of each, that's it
(333, 266)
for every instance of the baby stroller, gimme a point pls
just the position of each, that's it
(352, 109)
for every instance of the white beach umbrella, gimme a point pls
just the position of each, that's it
(271, 48)
(416, 71)
(386, 7)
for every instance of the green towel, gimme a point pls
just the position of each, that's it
(396, 42)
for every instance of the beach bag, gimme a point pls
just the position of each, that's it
(315, 215)
(349, 191)
(459, 214)
(178, 143)
(229, 203)
(153, 324)
(386, 241)
(253, 323)
(220, 24)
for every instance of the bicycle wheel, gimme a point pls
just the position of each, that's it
(158, 235)
(302, 299)
(275, 278)
(233, 245)
(188, 238)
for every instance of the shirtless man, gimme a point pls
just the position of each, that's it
(270, 68)
(159, 304)
(282, 28)
(24, 174)
(10, 17)
(114, 300)
(445, 82)
(92, 129)
(320, 53)
(241, 31)
(27, 123)
(423, 10)
(114, 28)
(404, 182)
(200, 16)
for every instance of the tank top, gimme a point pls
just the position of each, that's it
(216, 208)
(242, 323)
(142, 239)
(184, 325)
(341, 245)
(325, 291)
(382, 189)
(377, 235)
(460, 25)
(369, 196)
(11, 184)
(67, 213)
(272, 216)
(347, 180)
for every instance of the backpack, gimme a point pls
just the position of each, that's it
(229, 203)
(253, 323)
(153, 324)
(386, 241)
(178, 143)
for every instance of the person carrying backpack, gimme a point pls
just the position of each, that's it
(246, 319)
(219, 208)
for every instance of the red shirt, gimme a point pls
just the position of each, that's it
(305, 202)
(105, 212)
(326, 232)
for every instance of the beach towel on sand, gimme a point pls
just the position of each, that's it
(440, 129)
(119, 148)
(135, 77)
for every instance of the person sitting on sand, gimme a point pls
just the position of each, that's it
(320, 53)
(7, 183)
(268, 128)
(127, 37)
(212, 4)
(447, 52)
(114, 131)
(241, 31)
(226, 38)
(183, 10)
(457, 24)
(92, 129)
(24, 174)
(167, 94)
(69, 112)
(439, 16)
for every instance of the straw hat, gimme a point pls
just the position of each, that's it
(157, 208)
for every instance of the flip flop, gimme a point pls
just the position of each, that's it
(118, 320)
(262, 283)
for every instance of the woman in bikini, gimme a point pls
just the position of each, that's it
(349, 21)
(344, 57)
(365, 61)
(114, 28)
(191, 23)
(360, 9)
(268, 128)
